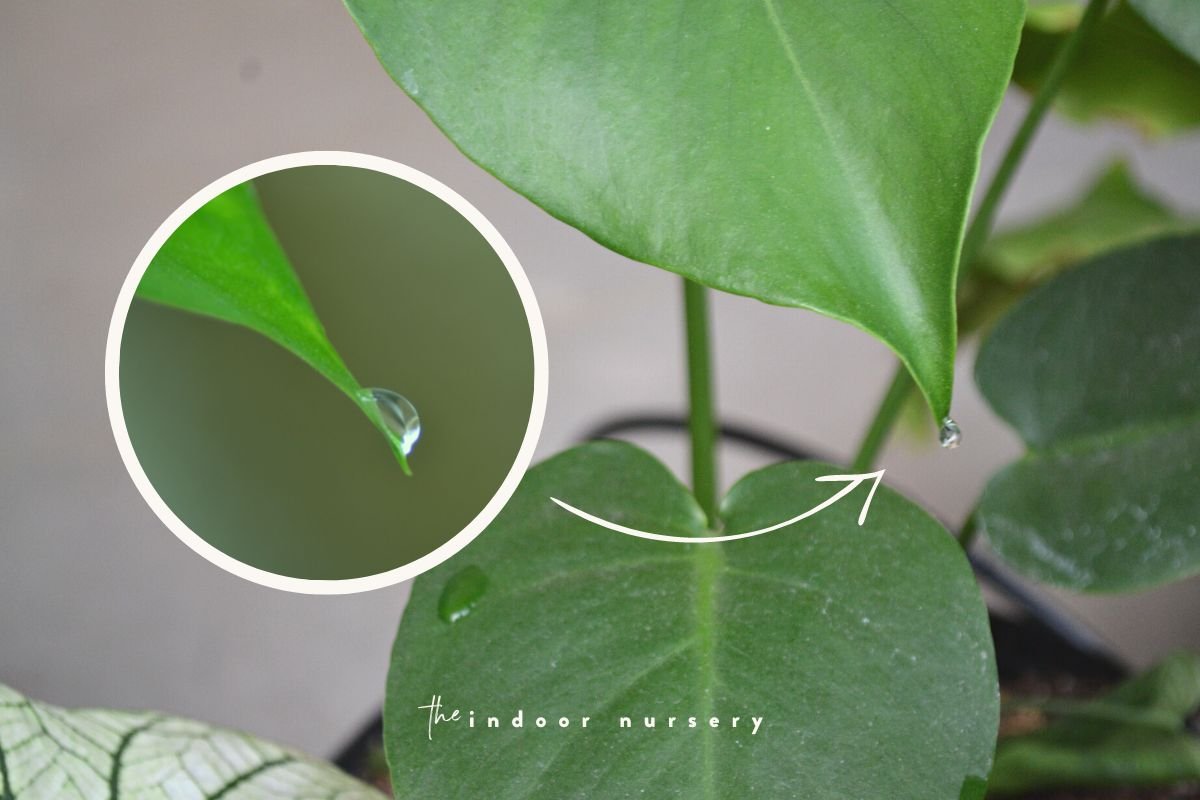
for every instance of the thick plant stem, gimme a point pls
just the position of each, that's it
(701, 422)
(981, 225)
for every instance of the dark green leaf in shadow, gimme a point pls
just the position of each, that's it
(807, 153)
(48, 752)
(1098, 372)
(865, 650)
(1135, 736)
(1177, 20)
(225, 262)
(1125, 71)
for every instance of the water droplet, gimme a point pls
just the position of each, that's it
(950, 435)
(461, 593)
(398, 414)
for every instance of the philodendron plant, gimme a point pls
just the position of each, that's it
(821, 155)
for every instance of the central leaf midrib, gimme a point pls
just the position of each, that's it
(862, 199)
(709, 562)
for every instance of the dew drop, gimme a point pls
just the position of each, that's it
(950, 435)
(398, 414)
(461, 593)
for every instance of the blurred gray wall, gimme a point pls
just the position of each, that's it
(112, 114)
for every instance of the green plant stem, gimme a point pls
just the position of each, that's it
(985, 215)
(701, 421)
(981, 225)
(893, 401)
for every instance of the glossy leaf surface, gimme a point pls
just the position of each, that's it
(865, 650)
(225, 262)
(807, 153)
(1098, 372)
(48, 753)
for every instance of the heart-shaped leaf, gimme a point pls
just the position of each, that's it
(864, 651)
(47, 753)
(806, 153)
(1098, 372)
(225, 262)
(1137, 735)
(1126, 70)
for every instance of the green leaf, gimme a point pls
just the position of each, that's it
(1177, 20)
(1114, 211)
(807, 153)
(865, 649)
(1135, 736)
(225, 262)
(1125, 71)
(1098, 372)
(47, 752)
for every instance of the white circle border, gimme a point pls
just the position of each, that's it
(537, 413)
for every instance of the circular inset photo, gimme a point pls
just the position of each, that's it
(326, 372)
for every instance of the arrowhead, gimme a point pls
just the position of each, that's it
(853, 481)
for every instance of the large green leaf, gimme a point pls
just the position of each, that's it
(805, 153)
(865, 649)
(1137, 735)
(1177, 20)
(1125, 70)
(47, 753)
(225, 262)
(1098, 372)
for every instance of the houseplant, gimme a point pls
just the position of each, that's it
(820, 157)
(862, 649)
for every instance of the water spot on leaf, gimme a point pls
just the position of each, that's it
(461, 593)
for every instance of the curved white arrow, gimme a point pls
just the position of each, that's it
(852, 481)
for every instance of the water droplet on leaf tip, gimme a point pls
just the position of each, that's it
(460, 594)
(950, 435)
(399, 416)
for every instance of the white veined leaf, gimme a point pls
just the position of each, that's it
(50, 753)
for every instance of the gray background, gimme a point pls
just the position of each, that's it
(114, 113)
